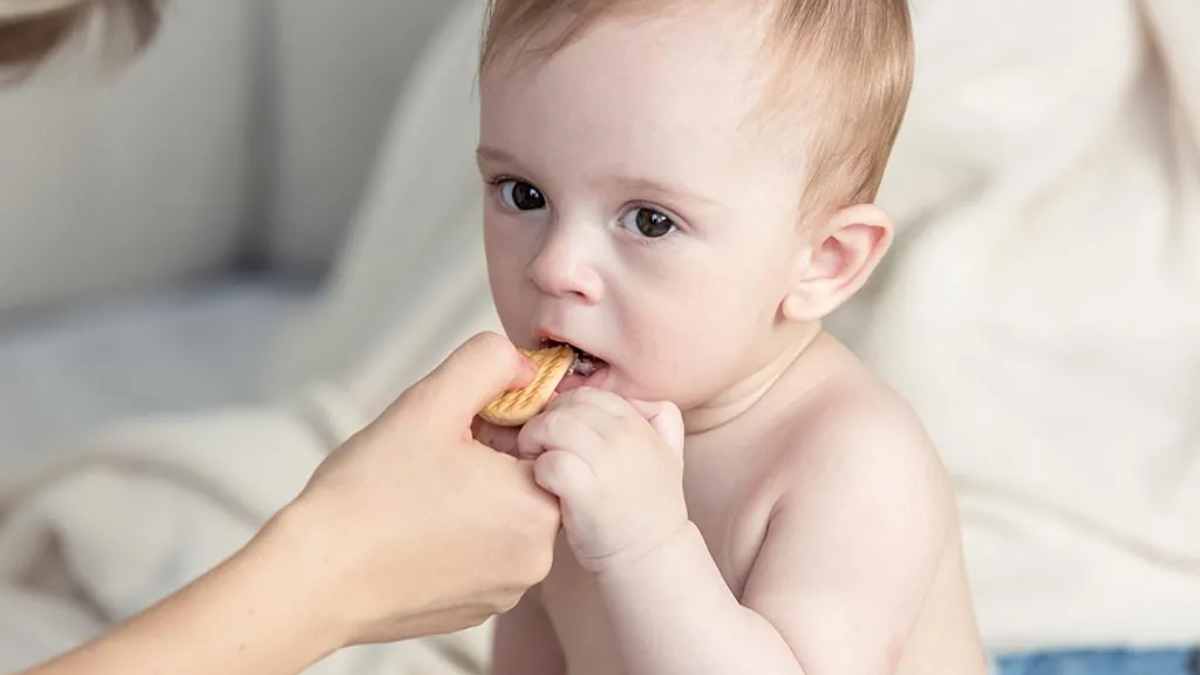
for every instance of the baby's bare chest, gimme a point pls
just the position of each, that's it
(730, 505)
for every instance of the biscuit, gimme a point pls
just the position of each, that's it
(516, 407)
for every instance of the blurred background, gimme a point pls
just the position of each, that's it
(162, 223)
(218, 262)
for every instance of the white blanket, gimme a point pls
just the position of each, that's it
(151, 505)
(1042, 311)
(1042, 308)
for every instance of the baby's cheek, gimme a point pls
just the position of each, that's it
(505, 278)
(687, 361)
(512, 309)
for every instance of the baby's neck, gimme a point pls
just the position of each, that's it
(738, 399)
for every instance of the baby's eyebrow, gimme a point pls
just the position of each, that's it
(630, 183)
(494, 154)
(639, 184)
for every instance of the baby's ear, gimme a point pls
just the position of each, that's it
(842, 253)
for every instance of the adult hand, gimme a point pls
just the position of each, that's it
(410, 528)
(420, 528)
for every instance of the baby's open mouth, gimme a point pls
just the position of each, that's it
(585, 366)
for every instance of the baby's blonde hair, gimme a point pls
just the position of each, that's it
(848, 62)
(30, 30)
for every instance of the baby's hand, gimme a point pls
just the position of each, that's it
(617, 469)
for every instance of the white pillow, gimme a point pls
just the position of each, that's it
(143, 181)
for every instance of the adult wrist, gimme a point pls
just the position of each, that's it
(293, 551)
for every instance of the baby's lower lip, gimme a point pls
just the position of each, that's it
(576, 381)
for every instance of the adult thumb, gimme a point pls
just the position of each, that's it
(481, 369)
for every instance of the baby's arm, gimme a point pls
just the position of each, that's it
(850, 553)
(525, 641)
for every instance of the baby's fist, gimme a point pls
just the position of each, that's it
(617, 469)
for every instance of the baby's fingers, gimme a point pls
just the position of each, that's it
(597, 400)
(666, 420)
(556, 430)
(565, 475)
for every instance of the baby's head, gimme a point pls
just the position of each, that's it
(683, 189)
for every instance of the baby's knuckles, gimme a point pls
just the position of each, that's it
(636, 501)
(557, 423)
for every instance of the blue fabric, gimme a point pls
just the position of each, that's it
(1101, 662)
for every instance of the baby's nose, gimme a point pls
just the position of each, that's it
(564, 267)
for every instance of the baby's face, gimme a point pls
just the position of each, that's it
(635, 211)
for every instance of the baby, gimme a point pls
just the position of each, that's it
(681, 191)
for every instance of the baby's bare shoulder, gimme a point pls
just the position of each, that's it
(861, 522)
(858, 436)
(855, 414)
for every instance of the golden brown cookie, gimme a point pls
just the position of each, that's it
(516, 407)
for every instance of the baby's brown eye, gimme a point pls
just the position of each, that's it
(648, 223)
(521, 196)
